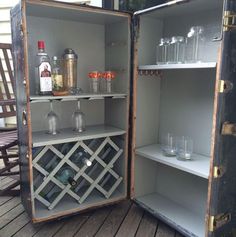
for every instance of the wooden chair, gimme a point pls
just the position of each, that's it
(8, 136)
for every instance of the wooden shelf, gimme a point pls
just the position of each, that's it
(68, 135)
(174, 214)
(89, 96)
(199, 165)
(179, 66)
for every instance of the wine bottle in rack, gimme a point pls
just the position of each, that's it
(66, 175)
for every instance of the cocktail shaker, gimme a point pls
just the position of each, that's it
(70, 70)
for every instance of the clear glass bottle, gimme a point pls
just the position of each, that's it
(194, 39)
(162, 50)
(57, 76)
(177, 49)
(43, 77)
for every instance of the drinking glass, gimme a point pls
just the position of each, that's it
(109, 77)
(94, 78)
(78, 119)
(169, 145)
(184, 148)
(162, 50)
(52, 121)
(194, 37)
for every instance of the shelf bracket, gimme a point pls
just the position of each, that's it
(218, 221)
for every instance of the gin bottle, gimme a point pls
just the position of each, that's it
(43, 71)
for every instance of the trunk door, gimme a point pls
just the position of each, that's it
(221, 214)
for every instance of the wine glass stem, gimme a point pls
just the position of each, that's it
(78, 104)
(51, 105)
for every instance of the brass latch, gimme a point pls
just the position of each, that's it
(229, 21)
(218, 171)
(225, 86)
(218, 221)
(228, 129)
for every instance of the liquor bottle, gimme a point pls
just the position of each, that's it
(43, 71)
(57, 77)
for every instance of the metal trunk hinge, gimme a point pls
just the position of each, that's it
(218, 171)
(218, 221)
(229, 21)
(228, 129)
(225, 86)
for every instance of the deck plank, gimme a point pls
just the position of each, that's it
(5, 182)
(164, 231)
(114, 220)
(147, 226)
(73, 225)
(28, 230)
(50, 229)
(9, 205)
(15, 225)
(131, 222)
(11, 215)
(93, 224)
(122, 219)
(4, 199)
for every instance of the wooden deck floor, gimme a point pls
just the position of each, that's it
(125, 219)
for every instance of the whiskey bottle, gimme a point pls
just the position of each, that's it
(43, 71)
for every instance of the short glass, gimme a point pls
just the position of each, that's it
(94, 78)
(184, 148)
(169, 145)
(109, 76)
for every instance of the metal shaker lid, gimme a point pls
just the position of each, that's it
(69, 54)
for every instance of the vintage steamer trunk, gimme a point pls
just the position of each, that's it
(197, 198)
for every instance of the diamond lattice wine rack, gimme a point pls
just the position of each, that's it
(76, 169)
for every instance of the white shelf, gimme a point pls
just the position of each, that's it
(176, 215)
(199, 165)
(68, 135)
(68, 205)
(179, 66)
(88, 96)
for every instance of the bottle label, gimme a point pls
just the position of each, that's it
(57, 82)
(45, 77)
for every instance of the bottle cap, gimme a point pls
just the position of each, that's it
(41, 44)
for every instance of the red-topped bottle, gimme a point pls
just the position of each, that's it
(43, 73)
